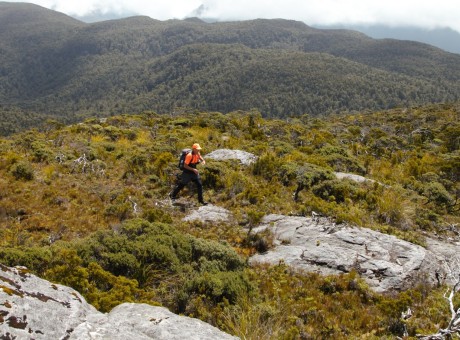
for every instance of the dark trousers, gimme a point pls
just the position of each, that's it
(185, 179)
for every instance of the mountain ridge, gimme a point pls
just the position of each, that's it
(67, 68)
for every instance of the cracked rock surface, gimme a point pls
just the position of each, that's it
(33, 308)
(384, 261)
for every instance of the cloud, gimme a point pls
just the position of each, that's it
(158, 9)
(428, 14)
(163, 9)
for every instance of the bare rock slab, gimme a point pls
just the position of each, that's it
(209, 213)
(142, 321)
(353, 177)
(243, 157)
(33, 308)
(384, 261)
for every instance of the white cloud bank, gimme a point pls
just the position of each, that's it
(426, 14)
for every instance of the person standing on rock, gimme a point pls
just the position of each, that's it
(190, 173)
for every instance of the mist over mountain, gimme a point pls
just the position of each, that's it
(55, 65)
(98, 15)
(444, 38)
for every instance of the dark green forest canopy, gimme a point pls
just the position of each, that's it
(51, 64)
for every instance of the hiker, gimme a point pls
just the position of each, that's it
(190, 173)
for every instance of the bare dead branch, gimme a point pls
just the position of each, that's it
(454, 324)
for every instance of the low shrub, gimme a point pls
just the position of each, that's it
(22, 170)
(336, 190)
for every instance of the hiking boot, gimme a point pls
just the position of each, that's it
(172, 198)
(203, 203)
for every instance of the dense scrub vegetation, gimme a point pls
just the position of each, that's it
(52, 64)
(85, 205)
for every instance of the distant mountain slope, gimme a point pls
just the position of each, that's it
(279, 83)
(32, 28)
(444, 38)
(54, 64)
(26, 16)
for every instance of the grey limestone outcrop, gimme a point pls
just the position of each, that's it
(384, 261)
(33, 308)
(209, 213)
(318, 244)
(244, 157)
(353, 177)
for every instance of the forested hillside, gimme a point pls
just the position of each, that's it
(86, 205)
(51, 64)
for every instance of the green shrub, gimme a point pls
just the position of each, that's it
(343, 163)
(328, 150)
(219, 286)
(136, 163)
(213, 175)
(120, 210)
(157, 215)
(281, 148)
(34, 258)
(335, 190)
(40, 152)
(113, 132)
(120, 263)
(227, 258)
(161, 163)
(437, 193)
(109, 147)
(426, 219)
(309, 175)
(266, 166)
(135, 228)
(390, 206)
(288, 173)
(235, 183)
(22, 170)
(138, 243)
(66, 268)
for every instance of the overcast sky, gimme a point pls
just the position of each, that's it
(420, 13)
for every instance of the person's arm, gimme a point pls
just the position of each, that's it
(202, 159)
